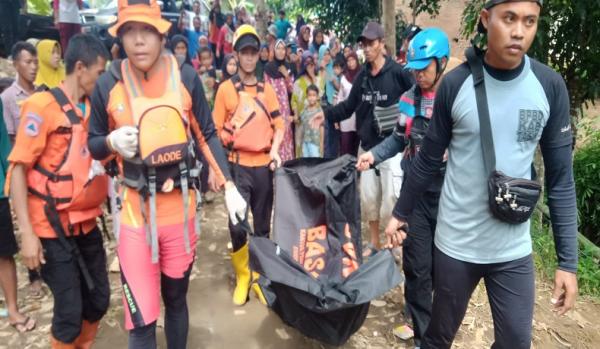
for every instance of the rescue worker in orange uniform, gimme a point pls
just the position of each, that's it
(151, 114)
(57, 190)
(250, 126)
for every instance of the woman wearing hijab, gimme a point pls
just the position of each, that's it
(278, 74)
(309, 75)
(51, 70)
(229, 67)
(299, 23)
(303, 37)
(332, 84)
(263, 59)
(318, 40)
(349, 140)
(180, 47)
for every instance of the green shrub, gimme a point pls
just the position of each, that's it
(586, 166)
(544, 256)
(40, 7)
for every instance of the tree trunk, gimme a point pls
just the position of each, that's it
(540, 171)
(389, 25)
(261, 18)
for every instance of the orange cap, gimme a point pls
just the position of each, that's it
(144, 11)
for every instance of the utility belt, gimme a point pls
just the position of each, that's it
(148, 182)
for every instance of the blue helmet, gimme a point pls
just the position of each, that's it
(430, 43)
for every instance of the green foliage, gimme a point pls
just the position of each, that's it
(567, 40)
(586, 168)
(230, 5)
(39, 7)
(346, 18)
(292, 9)
(401, 24)
(470, 20)
(431, 7)
(544, 256)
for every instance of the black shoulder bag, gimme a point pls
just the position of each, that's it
(511, 200)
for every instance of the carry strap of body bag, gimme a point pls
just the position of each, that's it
(485, 129)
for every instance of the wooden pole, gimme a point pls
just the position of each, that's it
(389, 25)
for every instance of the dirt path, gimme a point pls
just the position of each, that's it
(216, 323)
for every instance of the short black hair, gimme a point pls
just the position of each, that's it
(86, 49)
(282, 12)
(204, 50)
(21, 46)
(312, 87)
(339, 62)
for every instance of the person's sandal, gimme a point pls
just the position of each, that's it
(23, 325)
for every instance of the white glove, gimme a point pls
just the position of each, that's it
(236, 205)
(124, 141)
(96, 169)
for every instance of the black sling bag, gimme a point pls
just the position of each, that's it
(510, 199)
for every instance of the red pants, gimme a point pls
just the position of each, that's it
(66, 31)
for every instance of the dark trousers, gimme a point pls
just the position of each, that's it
(255, 184)
(9, 24)
(511, 290)
(417, 262)
(73, 301)
(349, 143)
(66, 31)
(332, 141)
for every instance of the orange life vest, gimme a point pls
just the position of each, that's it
(250, 127)
(68, 187)
(166, 158)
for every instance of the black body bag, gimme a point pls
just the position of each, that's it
(312, 273)
(511, 200)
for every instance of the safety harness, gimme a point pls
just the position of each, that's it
(167, 158)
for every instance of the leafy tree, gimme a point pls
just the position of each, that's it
(567, 40)
(432, 7)
(40, 7)
(231, 5)
(346, 18)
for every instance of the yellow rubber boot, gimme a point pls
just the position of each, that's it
(239, 259)
(256, 288)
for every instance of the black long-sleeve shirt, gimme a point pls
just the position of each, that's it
(528, 106)
(384, 89)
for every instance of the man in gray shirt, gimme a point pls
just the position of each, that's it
(528, 104)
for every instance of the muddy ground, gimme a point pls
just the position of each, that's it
(216, 323)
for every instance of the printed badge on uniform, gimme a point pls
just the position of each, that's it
(32, 124)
